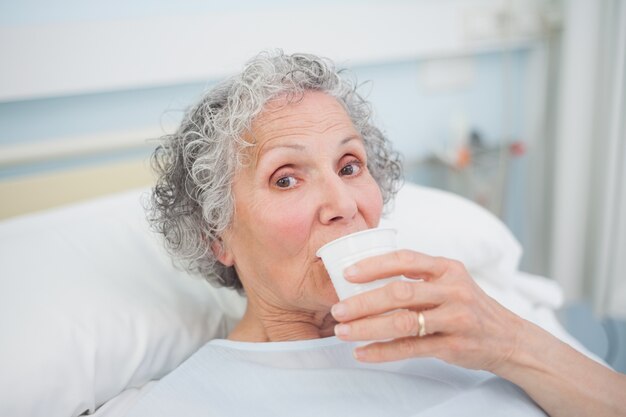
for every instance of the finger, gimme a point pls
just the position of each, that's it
(404, 348)
(405, 262)
(398, 324)
(393, 296)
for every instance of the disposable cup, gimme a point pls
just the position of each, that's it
(347, 250)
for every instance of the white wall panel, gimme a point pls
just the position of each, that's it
(92, 56)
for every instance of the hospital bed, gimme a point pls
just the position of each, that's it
(93, 310)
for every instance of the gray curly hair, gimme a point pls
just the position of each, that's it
(192, 202)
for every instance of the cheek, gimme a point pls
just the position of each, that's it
(288, 223)
(371, 203)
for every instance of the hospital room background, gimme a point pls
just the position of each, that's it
(519, 105)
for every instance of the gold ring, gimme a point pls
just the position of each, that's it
(422, 325)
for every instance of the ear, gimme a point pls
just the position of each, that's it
(221, 252)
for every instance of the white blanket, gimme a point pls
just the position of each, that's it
(321, 377)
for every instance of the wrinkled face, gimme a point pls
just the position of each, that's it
(307, 183)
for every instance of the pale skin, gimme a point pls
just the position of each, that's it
(468, 328)
(307, 184)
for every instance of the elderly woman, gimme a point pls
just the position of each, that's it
(268, 167)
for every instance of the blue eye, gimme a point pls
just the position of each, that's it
(286, 182)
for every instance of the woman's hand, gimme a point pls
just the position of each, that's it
(463, 325)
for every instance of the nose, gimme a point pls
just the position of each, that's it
(338, 202)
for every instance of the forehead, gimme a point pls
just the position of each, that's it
(314, 112)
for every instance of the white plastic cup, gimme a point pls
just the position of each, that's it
(348, 250)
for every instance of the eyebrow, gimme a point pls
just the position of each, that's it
(299, 147)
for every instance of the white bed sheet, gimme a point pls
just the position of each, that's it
(532, 297)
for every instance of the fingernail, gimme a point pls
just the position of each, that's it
(339, 310)
(350, 272)
(342, 330)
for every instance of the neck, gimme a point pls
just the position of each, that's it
(264, 324)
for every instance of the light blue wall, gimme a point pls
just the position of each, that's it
(60, 117)
(414, 119)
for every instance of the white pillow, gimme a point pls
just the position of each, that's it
(90, 304)
(440, 223)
